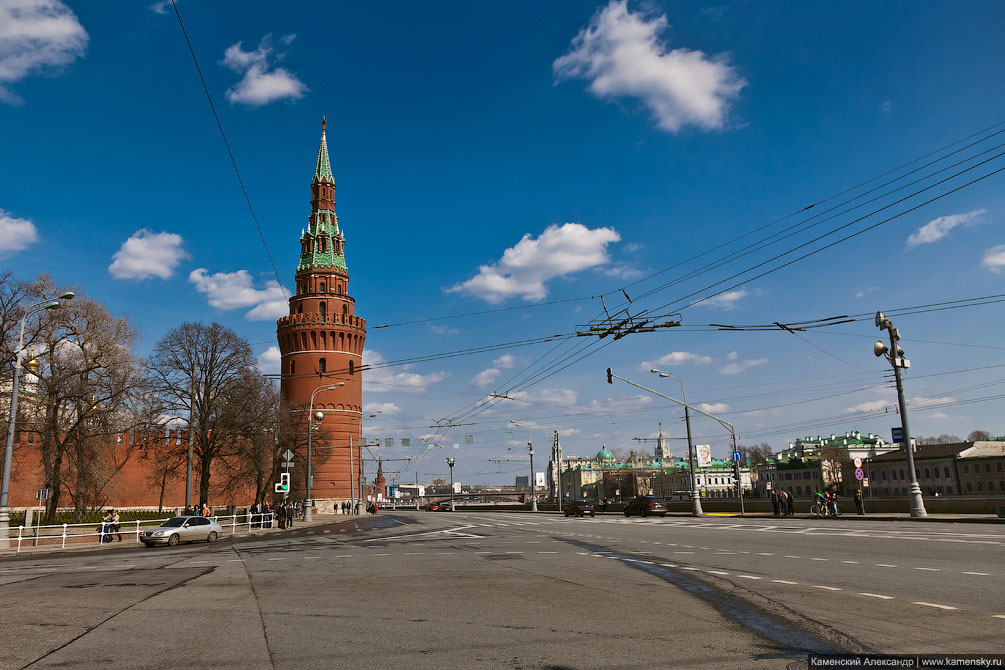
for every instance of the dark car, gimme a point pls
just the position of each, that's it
(433, 507)
(645, 505)
(580, 508)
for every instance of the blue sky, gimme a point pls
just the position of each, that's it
(491, 159)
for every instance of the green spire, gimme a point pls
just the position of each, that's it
(323, 169)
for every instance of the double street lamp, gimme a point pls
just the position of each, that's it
(695, 494)
(311, 416)
(530, 447)
(8, 458)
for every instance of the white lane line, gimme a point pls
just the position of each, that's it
(747, 577)
(725, 553)
(982, 574)
(343, 556)
(853, 562)
(312, 557)
(876, 595)
(793, 557)
(998, 616)
(716, 572)
(483, 552)
(547, 552)
(941, 607)
(647, 562)
(514, 552)
(930, 569)
(275, 559)
(382, 554)
(234, 560)
(692, 569)
(762, 553)
(668, 565)
(820, 559)
(827, 588)
(885, 565)
(783, 581)
(582, 553)
(444, 553)
(414, 553)
(683, 552)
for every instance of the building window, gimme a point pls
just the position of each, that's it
(966, 468)
(883, 474)
(322, 365)
(928, 474)
(949, 489)
(352, 368)
(324, 310)
(980, 486)
(902, 474)
(322, 287)
(788, 475)
(987, 467)
(991, 486)
(999, 468)
(946, 470)
(293, 367)
(970, 486)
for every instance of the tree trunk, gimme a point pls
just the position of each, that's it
(204, 464)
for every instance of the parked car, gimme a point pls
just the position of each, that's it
(433, 507)
(182, 529)
(446, 506)
(645, 505)
(581, 508)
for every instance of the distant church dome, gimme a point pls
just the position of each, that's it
(605, 455)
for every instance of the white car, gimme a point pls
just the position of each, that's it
(182, 529)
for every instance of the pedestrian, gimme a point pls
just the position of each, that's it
(789, 503)
(775, 503)
(859, 503)
(267, 515)
(832, 503)
(103, 529)
(357, 507)
(115, 527)
(290, 515)
(205, 510)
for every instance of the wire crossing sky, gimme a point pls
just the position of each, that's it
(774, 174)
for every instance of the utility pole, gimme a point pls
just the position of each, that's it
(191, 432)
(895, 355)
(556, 450)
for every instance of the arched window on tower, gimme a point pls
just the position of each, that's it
(324, 309)
(322, 290)
(322, 366)
(352, 368)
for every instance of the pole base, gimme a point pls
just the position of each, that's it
(4, 529)
(917, 502)
(696, 509)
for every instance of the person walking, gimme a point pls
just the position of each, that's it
(106, 522)
(775, 502)
(832, 503)
(790, 507)
(859, 503)
(115, 527)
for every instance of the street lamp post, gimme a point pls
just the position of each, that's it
(8, 457)
(725, 424)
(309, 503)
(895, 355)
(450, 462)
(696, 509)
(530, 447)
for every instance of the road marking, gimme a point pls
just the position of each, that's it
(547, 552)
(747, 577)
(275, 559)
(414, 553)
(668, 565)
(828, 588)
(820, 559)
(793, 557)
(725, 553)
(683, 552)
(885, 565)
(716, 572)
(854, 562)
(930, 569)
(876, 595)
(444, 553)
(998, 616)
(382, 554)
(762, 553)
(345, 556)
(483, 552)
(312, 557)
(514, 552)
(647, 562)
(982, 574)
(783, 581)
(690, 568)
(234, 560)
(941, 607)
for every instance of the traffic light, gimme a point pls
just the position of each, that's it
(284, 483)
(610, 377)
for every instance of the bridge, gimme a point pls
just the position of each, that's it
(475, 498)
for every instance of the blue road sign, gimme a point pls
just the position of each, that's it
(898, 434)
(737, 456)
(859, 474)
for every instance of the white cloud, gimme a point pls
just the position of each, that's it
(160, 7)
(235, 290)
(922, 401)
(485, 377)
(15, 234)
(269, 361)
(740, 366)
(621, 54)
(713, 407)
(732, 356)
(870, 406)
(147, 254)
(36, 36)
(525, 267)
(864, 292)
(886, 108)
(936, 229)
(379, 380)
(563, 397)
(443, 330)
(994, 258)
(726, 301)
(623, 271)
(382, 407)
(505, 361)
(263, 82)
(677, 358)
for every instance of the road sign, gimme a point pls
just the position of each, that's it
(898, 434)
(288, 456)
(737, 456)
(42, 494)
(858, 462)
(859, 474)
(288, 464)
(865, 482)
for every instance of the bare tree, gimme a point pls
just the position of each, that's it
(220, 360)
(756, 454)
(87, 385)
(941, 439)
(254, 462)
(978, 436)
(833, 462)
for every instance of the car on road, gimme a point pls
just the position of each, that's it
(433, 507)
(182, 529)
(581, 508)
(645, 506)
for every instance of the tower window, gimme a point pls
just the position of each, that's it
(293, 367)
(322, 365)
(322, 287)
(324, 309)
(352, 368)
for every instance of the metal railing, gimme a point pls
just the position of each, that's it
(74, 534)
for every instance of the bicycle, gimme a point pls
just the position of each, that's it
(819, 509)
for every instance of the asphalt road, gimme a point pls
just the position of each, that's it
(514, 590)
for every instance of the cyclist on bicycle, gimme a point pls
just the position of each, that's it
(821, 501)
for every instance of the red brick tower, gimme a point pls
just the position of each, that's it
(322, 344)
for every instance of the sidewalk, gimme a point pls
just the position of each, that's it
(129, 540)
(885, 516)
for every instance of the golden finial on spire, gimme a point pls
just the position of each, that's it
(323, 124)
